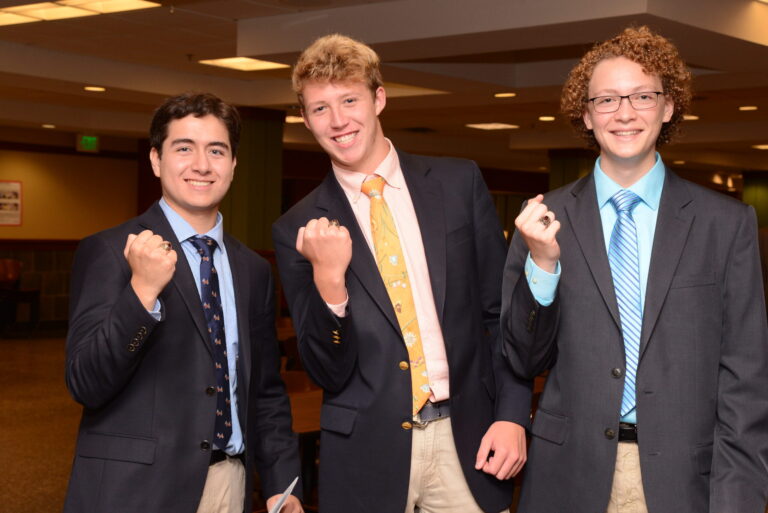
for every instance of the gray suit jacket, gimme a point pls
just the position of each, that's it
(144, 439)
(702, 382)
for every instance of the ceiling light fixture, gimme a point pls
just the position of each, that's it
(760, 146)
(505, 95)
(95, 89)
(690, 117)
(294, 119)
(48, 126)
(678, 162)
(243, 64)
(748, 107)
(546, 118)
(492, 126)
(66, 9)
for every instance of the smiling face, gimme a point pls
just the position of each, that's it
(196, 168)
(627, 137)
(343, 117)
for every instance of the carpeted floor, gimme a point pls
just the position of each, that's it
(38, 424)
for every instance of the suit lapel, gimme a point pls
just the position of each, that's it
(154, 219)
(333, 204)
(240, 282)
(584, 217)
(672, 227)
(427, 197)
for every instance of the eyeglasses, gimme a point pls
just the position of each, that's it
(639, 101)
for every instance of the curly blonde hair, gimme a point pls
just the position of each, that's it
(655, 54)
(337, 58)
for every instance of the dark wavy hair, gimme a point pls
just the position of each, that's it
(198, 105)
(655, 54)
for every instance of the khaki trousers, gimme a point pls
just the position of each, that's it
(627, 494)
(437, 482)
(224, 490)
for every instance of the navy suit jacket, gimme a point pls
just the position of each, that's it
(365, 452)
(702, 379)
(148, 416)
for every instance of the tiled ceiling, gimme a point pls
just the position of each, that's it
(470, 50)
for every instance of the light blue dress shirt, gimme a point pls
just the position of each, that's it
(183, 231)
(543, 284)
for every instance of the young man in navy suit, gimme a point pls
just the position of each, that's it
(171, 348)
(420, 412)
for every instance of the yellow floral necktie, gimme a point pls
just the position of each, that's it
(389, 259)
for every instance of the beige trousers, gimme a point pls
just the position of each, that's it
(627, 494)
(224, 490)
(437, 482)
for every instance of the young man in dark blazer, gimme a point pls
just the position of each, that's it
(171, 347)
(640, 292)
(392, 271)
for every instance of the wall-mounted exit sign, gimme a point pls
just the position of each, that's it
(88, 143)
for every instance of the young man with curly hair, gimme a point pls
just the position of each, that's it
(392, 269)
(640, 293)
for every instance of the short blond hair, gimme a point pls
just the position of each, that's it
(655, 54)
(337, 58)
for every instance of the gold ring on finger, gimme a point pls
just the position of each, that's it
(166, 246)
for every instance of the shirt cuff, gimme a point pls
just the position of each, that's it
(155, 312)
(543, 285)
(339, 310)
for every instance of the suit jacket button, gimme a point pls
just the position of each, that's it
(210, 390)
(616, 373)
(610, 434)
(406, 425)
(205, 445)
(403, 365)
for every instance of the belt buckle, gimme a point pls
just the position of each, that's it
(417, 419)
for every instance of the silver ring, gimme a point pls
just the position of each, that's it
(166, 246)
(333, 222)
(545, 221)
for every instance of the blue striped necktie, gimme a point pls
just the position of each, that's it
(625, 270)
(214, 316)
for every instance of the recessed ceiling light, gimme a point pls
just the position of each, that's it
(49, 126)
(678, 162)
(505, 95)
(690, 117)
(294, 119)
(546, 118)
(717, 179)
(243, 64)
(64, 9)
(764, 1)
(748, 107)
(107, 6)
(492, 126)
(7, 18)
(95, 89)
(760, 146)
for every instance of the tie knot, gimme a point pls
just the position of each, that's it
(625, 201)
(374, 187)
(205, 245)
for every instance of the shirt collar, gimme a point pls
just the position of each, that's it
(388, 169)
(183, 230)
(648, 187)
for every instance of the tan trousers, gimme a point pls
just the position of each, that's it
(437, 482)
(627, 494)
(224, 490)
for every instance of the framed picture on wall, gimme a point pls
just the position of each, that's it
(10, 203)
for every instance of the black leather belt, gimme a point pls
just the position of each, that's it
(627, 432)
(219, 456)
(431, 412)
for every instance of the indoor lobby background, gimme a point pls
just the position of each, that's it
(479, 79)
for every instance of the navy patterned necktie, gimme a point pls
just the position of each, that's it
(625, 270)
(214, 316)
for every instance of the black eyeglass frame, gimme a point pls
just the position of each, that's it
(627, 96)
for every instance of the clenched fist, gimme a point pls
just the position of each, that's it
(152, 265)
(538, 228)
(328, 247)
